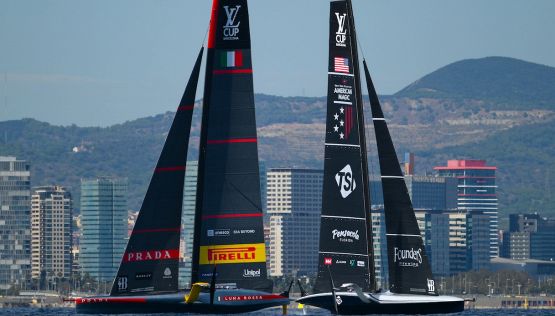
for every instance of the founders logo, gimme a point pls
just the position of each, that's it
(345, 235)
(248, 273)
(122, 283)
(407, 257)
(345, 181)
(231, 27)
(341, 34)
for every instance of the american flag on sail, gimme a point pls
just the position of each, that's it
(341, 64)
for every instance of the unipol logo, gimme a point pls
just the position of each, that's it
(248, 273)
(431, 285)
(345, 181)
(122, 283)
(231, 27)
(341, 34)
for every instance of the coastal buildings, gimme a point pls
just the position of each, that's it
(51, 232)
(104, 226)
(476, 193)
(15, 224)
(294, 202)
(530, 236)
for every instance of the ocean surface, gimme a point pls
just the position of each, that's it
(273, 312)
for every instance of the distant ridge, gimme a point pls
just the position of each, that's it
(516, 137)
(506, 81)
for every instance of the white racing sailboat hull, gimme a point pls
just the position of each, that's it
(350, 303)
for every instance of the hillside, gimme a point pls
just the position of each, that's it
(291, 130)
(508, 83)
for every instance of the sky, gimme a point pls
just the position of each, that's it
(103, 62)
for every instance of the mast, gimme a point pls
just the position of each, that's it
(151, 258)
(228, 214)
(345, 250)
(363, 149)
(409, 268)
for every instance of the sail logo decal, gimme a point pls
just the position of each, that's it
(248, 273)
(341, 64)
(241, 253)
(345, 181)
(345, 235)
(231, 29)
(431, 286)
(147, 255)
(341, 34)
(344, 122)
(407, 257)
(328, 261)
(122, 283)
(167, 273)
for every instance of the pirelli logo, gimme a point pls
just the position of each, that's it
(242, 253)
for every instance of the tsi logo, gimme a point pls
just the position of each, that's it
(231, 29)
(248, 273)
(341, 34)
(345, 181)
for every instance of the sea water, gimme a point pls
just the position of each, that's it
(274, 312)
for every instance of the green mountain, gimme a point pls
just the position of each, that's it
(453, 124)
(507, 82)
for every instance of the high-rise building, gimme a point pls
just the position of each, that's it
(530, 236)
(381, 265)
(188, 223)
(437, 241)
(477, 241)
(294, 202)
(15, 224)
(476, 193)
(51, 232)
(104, 226)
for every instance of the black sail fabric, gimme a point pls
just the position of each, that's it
(150, 261)
(229, 236)
(409, 268)
(344, 240)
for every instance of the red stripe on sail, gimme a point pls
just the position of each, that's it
(239, 215)
(173, 168)
(156, 230)
(213, 22)
(185, 108)
(232, 71)
(231, 141)
(348, 121)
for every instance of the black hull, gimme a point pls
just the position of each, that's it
(225, 302)
(352, 305)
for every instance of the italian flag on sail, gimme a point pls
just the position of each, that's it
(232, 58)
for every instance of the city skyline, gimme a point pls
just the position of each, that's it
(109, 67)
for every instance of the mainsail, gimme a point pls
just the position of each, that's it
(409, 268)
(150, 261)
(229, 238)
(345, 232)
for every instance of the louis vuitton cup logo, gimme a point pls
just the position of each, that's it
(345, 181)
(341, 34)
(231, 27)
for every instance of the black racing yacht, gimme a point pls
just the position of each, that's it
(346, 282)
(229, 255)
